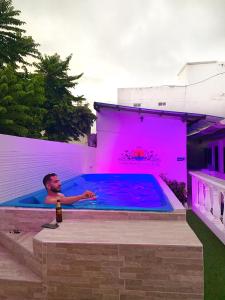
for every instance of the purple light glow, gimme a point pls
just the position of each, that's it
(122, 134)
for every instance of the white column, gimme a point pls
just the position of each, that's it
(209, 192)
(216, 203)
(223, 219)
(201, 195)
(208, 204)
(194, 191)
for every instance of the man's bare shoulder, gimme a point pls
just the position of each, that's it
(53, 199)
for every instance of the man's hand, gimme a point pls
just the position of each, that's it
(88, 194)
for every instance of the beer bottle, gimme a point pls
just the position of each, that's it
(58, 211)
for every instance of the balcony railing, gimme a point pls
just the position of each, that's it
(208, 197)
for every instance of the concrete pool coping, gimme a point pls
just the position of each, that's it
(126, 232)
(29, 219)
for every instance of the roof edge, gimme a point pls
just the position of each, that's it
(196, 63)
(182, 115)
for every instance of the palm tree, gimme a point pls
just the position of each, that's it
(14, 45)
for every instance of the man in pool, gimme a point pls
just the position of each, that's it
(53, 187)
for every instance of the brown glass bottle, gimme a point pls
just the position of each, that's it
(58, 212)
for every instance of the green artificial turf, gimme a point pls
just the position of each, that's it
(214, 259)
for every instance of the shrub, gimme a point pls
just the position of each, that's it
(178, 188)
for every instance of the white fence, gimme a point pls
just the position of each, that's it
(208, 197)
(25, 161)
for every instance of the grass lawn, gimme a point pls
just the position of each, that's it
(214, 259)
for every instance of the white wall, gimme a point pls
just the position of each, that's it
(207, 97)
(121, 131)
(194, 72)
(150, 97)
(24, 162)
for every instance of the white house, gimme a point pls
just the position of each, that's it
(201, 90)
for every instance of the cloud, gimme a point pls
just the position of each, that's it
(127, 43)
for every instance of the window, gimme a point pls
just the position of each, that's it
(161, 103)
(137, 104)
(216, 152)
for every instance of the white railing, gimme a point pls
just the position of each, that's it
(208, 197)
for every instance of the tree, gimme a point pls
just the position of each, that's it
(14, 45)
(21, 103)
(67, 117)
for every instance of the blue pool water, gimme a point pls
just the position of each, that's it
(136, 192)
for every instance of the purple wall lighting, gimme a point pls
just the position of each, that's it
(152, 144)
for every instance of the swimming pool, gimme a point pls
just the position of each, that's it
(133, 192)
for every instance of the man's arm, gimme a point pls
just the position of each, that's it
(69, 199)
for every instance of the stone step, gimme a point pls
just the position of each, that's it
(17, 282)
(21, 246)
(25, 239)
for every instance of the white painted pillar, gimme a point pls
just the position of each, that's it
(216, 203)
(194, 191)
(201, 195)
(223, 217)
(208, 204)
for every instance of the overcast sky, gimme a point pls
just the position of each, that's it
(126, 43)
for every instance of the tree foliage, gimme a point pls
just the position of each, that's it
(33, 104)
(15, 46)
(67, 117)
(21, 103)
